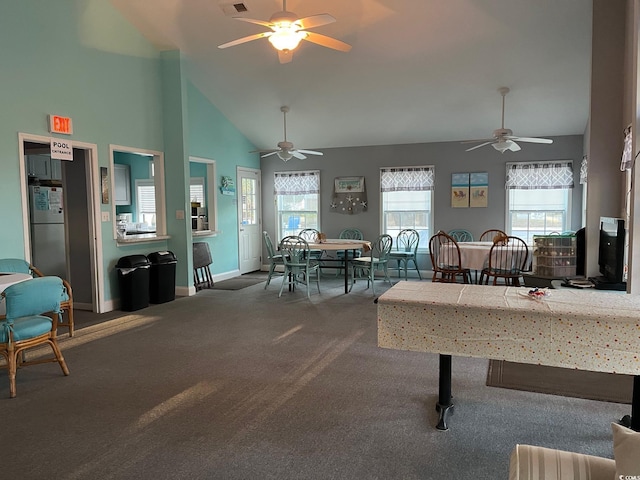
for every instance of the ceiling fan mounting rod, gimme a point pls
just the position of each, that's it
(503, 91)
(284, 110)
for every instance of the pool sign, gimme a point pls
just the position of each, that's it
(61, 149)
(58, 124)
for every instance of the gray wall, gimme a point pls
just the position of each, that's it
(447, 158)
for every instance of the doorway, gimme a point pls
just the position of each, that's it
(60, 212)
(249, 220)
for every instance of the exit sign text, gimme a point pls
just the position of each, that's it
(58, 124)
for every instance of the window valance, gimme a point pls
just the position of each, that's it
(540, 175)
(407, 179)
(297, 183)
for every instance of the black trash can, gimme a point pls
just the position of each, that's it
(133, 279)
(162, 277)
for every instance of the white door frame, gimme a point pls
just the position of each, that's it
(257, 174)
(93, 192)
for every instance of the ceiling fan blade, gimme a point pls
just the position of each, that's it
(285, 56)
(314, 21)
(257, 22)
(297, 154)
(310, 152)
(478, 146)
(328, 42)
(514, 147)
(532, 139)
(478, 140)
(269, 154)
(245, 39)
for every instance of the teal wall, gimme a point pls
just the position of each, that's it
(212, 136)
(83, 60)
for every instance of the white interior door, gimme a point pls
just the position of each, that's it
(249, 219)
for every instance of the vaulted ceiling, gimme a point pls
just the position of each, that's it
(419, 70)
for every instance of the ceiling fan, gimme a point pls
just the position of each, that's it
(503, 138)
(285, 149)
(288, 30)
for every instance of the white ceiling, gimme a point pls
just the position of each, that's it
(419, 70)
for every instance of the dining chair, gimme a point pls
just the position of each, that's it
(378, 259)
(461, 235)
(311, 235)
(28, 325)
(275, 258)
(348, 234)
(201, 260)
(445, 260)
(508, 259)
(18, 265)
(406, 250)
(490, 235)
(298, 265)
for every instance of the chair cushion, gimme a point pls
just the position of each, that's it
(33, 297)
(626, 445)
(401, 254)
(538, 463)
(25, 328)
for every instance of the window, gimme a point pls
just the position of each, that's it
(407, 201)
(196, 190)
(146, 203)
(538, 198)
(297, 201)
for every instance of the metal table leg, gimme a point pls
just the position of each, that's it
(444, 405)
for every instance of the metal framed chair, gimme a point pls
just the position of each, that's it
(489, 235)
(461, 235)
(508, 259)
(275, 258)
(348, 234)
(18, 265)
(406, 250)
(201, 260)
(28, 324)
(298, 265)
(377, 260)
(445, 260)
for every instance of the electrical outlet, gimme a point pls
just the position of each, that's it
(179, 214)
(105, 216)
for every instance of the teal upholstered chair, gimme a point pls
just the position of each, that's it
(377, 260)
(298, 265)
(406, 250)
(27, 325)
(18, 265)
(348, 234)
(461, 235)
(275, 258)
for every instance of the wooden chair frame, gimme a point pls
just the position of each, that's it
(275, 258)
(446, 262)
(406, 250)
(377, 259)
(506, 261)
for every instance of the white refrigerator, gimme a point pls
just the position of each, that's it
(48, 251)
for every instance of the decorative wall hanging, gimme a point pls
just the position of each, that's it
(459, 190)
(228, 186)
(479, 189)
(349, 195)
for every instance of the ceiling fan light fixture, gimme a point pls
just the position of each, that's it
(502, 145)
(286, 37)
(285, 155)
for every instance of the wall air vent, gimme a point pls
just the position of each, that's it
(231, 9)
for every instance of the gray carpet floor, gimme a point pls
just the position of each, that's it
(245, 385)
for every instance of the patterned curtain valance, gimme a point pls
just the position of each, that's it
(584, 170)
(540, 175)
(627, 152)
(407, 179)
(296, 183)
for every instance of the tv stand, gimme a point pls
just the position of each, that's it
(601, 283)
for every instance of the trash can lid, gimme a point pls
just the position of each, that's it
(161, 257)
(131, 261)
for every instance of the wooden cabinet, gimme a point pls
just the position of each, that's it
(122, 182)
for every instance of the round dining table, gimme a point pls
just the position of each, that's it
(6, 280)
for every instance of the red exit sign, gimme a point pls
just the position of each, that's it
(58, 124)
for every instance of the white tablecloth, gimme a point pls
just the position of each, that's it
(7, 279)
(475, 255)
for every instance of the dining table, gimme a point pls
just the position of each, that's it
(474, 255)
(350, 247)
(6, 280)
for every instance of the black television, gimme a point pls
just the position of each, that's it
(611, 254)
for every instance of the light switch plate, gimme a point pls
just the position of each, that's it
(105, 216)
(179, 214)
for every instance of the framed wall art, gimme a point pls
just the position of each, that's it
(479, 189)
(459, 190)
